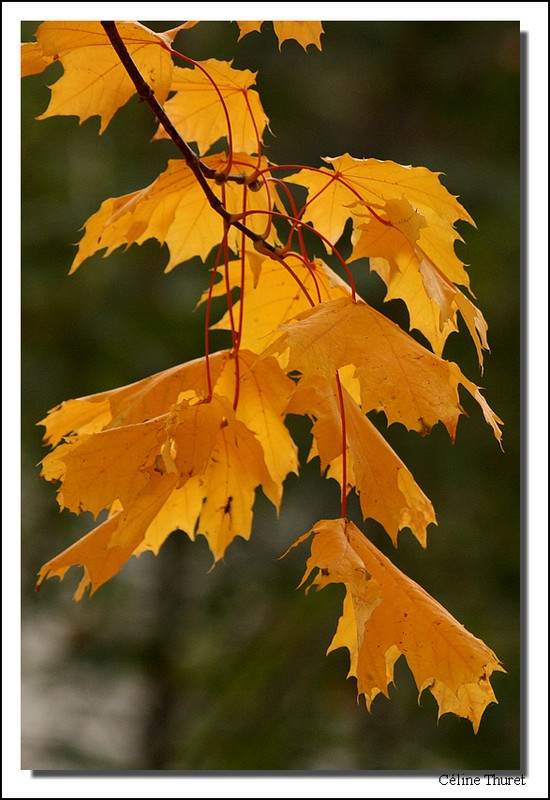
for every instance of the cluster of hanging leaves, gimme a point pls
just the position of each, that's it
(187, 448)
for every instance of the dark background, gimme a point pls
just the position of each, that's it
(168, 667)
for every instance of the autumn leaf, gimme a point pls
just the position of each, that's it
(94, 80)
(236, 468)
(249, 26)
(197, 111)
(179, 512)
(305, 33)
(33, 60)
(388, 492)
(135, 403)
(97, 469)
(221, 497)
(264, 395)
(167, 425)
(390, 239)
(370, 180)
(276, 295)
(173, 210)
(387, 615)
(335, 194)
(341, 332)
(103, 551)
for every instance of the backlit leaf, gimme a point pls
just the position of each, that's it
(333, 192)
(131, 404)
(166, 426)
(33, 60)
(104, 550)
(387, 615)
(197, 111)
(94, 80)
(264, 395)
(305, 33)
(187, 449)
(386, 488)
(398, 376)
(97, 469)
(173, 210)
(391, 240)
(276, 296)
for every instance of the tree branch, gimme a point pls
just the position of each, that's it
(200, 170)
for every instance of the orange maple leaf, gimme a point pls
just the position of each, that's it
(33, 60)
(210, 457)
(390, 239)
(197, 112)
(341, 332)
(131, 404)
(174, 210)
(387, 490)
(403, 221)
(333, 192)
(97, 469)
(103, 551)
(305, 33)
(94, 80)
(275, 296)
(387, 615)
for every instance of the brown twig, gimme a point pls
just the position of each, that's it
(200, 170)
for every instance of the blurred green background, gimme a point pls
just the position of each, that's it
(170, 667)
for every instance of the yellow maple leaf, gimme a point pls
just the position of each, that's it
(236, 468)
(197, 112)
(179, 512)
(305, 33)
(387, 615)
(275, 296)
(249, 26)
(174, 210)
(211, 457)
(194, 437)
(94, 80)
(33, 60)
(188, 448)
(397, 375)
(223, 466)
(387, 490)
(97, 469)
(103, 551)
(131, 404)
(220, 499)
(333, 192)
(264, 395)
(390, 241)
